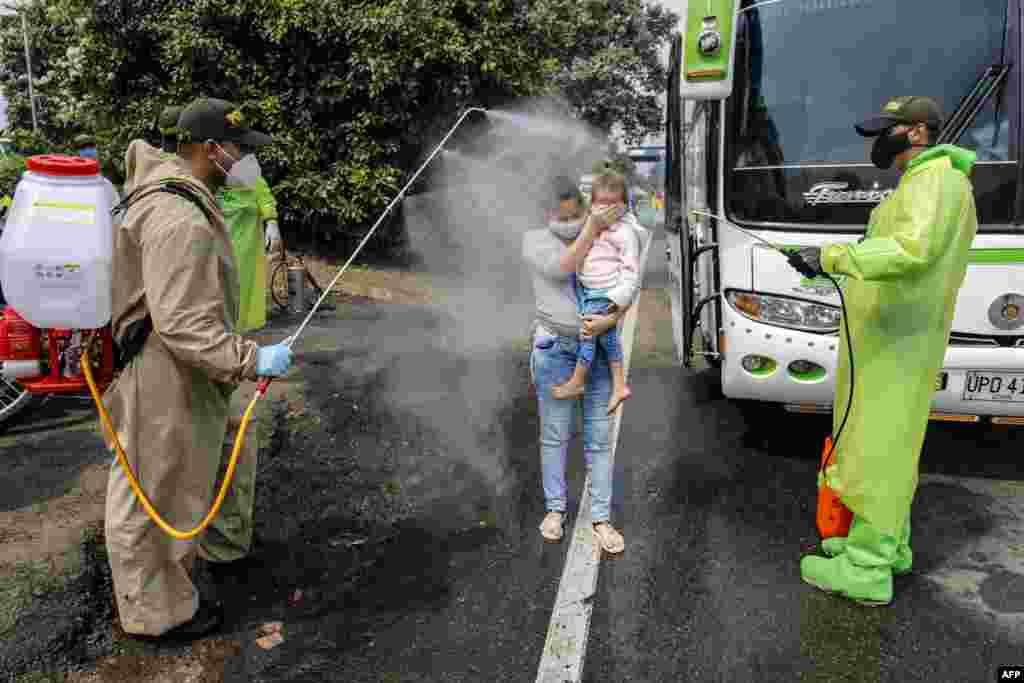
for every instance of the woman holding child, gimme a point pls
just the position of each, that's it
(554, 255)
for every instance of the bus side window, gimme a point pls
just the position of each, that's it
(989, 137)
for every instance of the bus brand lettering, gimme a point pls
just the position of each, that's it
(837, 193)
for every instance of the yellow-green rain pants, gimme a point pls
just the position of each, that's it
(229, 536)
(901, 291)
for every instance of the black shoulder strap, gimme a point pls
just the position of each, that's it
(130, 345)
(170, 187)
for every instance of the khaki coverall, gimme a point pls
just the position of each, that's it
(170, 407)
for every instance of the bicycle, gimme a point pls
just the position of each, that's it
(280, 289)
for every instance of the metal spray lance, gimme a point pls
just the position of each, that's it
(264, 383)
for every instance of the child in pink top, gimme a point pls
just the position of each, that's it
(607, 281)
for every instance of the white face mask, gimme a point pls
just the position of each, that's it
(244, 172)
(566, 230)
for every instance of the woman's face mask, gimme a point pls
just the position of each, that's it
(567, 221)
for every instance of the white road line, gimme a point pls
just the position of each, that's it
(566, 645)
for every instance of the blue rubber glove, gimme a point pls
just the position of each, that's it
(273, 361)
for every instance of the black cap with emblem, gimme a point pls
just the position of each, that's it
(907, 110)
(220, 121)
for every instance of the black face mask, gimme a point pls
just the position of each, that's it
(889, 146)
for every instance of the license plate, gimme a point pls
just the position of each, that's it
(1005, 387)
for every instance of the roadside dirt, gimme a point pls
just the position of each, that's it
(336, 455)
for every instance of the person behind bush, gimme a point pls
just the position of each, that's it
(607, 279)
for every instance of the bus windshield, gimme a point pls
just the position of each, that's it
(807, 70)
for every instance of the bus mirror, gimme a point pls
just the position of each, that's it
(709, 48)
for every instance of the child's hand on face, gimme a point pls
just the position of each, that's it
(607, 215)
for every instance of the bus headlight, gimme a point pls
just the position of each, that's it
(786, 312)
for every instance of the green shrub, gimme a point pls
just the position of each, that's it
(355, 94)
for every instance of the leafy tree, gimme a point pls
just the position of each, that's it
(11, 168)
(354, 93)
(609, 59)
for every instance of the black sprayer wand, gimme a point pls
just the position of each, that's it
(804, 269)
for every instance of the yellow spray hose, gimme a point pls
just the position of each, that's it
(123, 459)
(264, 383)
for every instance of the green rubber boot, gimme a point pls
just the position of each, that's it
(836, 546)
(863, 573)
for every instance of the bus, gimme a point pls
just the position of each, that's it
(649, 161)
(763, 95)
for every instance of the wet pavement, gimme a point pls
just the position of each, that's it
(718, 515)
(399, 497)
(717, 509)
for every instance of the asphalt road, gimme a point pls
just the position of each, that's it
(716, 507)
(718, 516)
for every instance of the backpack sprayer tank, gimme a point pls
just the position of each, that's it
(55, 262)
(56, 249)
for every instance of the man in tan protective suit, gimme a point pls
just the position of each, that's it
(175, 303)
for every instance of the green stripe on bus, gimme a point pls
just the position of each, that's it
(995, 256)
(981, 256)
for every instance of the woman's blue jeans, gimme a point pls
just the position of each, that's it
(552, 361)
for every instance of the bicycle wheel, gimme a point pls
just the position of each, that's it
(279, 284)
(317, 289)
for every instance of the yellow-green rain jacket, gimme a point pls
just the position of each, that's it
(246, 211)
(901, 290)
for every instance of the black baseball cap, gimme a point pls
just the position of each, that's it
(907, 110)
(220, 121)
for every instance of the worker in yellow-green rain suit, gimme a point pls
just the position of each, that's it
(901, 288)
(251, 216)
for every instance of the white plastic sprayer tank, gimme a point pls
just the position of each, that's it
(56, 248)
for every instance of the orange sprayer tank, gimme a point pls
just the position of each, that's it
(833, 517)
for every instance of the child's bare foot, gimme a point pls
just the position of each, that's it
(618, 397)
(568, 390)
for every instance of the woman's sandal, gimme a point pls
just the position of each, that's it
(552, 528)
(608, 538)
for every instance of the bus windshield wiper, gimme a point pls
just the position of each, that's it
(969, 108)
